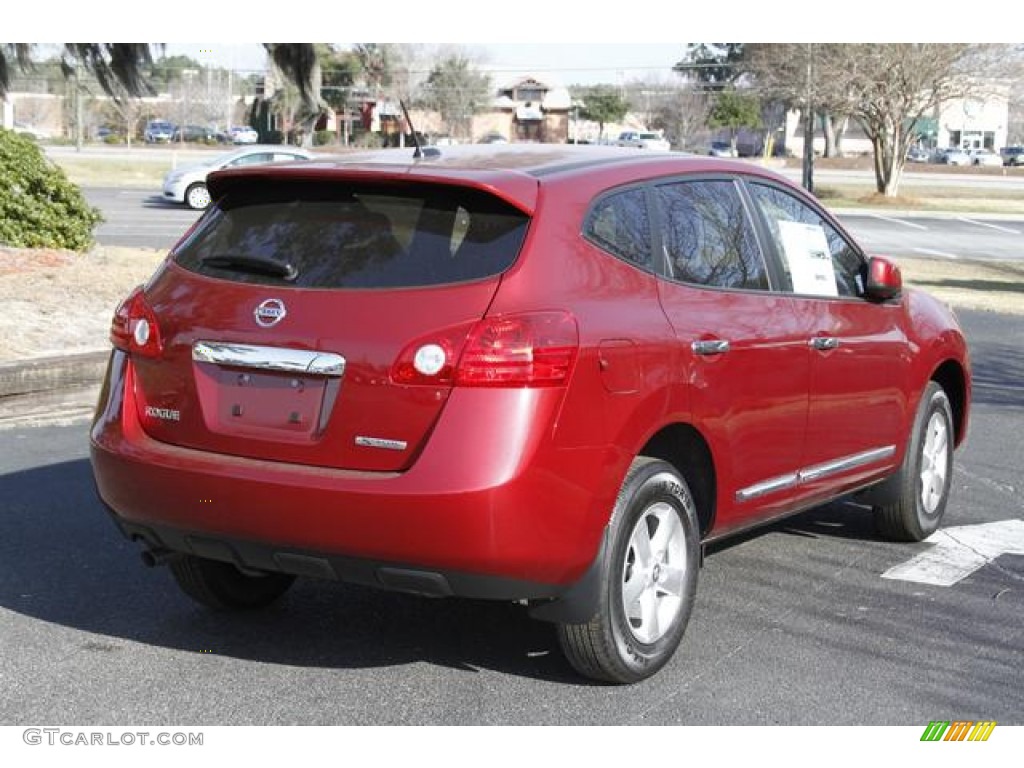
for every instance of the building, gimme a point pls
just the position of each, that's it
(979, 121)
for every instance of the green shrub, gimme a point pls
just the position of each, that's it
(324, 138)
(39, 207)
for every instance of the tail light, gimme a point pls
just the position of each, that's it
(535, 349)
(134, 327)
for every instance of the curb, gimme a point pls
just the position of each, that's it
(55, 390)
(46, 374)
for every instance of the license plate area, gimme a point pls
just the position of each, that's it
(261, 395)
(249, 401)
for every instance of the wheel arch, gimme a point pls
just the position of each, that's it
(685, 448)
(951, 376)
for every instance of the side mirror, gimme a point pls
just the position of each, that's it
(884, 279)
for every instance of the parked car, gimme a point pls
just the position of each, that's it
(643, 140)
(985, 157)
(1012, 155)
(953, 156)
(158, 131)
(33, 132)
(188, 183)
(537, 373)
(918, 155)
(243, 134)
(493, 137)
(194, 133)
(721, 149)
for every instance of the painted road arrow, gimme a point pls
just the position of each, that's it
(960, 551)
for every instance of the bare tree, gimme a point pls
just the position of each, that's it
(886, 87)
(683, 114)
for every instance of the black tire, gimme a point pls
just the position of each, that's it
(197, 196)
(924, 479)
(223, 587)
(625, 642)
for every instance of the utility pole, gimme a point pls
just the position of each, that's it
(78, 105)
(808, 171)
(229, 112)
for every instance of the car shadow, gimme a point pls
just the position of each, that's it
(155, 201)
(64, 562)
(841, 519)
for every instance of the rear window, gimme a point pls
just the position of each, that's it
(345, 235)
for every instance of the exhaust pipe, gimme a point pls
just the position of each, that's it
(154, 557)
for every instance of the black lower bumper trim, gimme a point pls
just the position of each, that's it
(400, 577)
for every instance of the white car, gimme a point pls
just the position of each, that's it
(243, 134)
(643, 140)
(954, 156)
(985, 157)
(188, 184)
(721, 149)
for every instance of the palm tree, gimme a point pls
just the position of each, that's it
(120, 69)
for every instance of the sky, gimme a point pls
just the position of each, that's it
(566, 63)
(571, 43)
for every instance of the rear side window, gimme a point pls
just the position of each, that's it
(708, 237)
(619, 224)
(343, 235)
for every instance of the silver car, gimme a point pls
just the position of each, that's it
(986, 157)
(188, 184)
(954, 156)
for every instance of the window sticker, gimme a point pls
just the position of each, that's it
(810, 261)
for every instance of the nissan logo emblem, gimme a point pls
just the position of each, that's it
(269, 312)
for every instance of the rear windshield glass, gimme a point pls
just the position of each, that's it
(345, 235)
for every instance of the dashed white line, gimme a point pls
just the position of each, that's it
(1008, 230)
(931, 252)
(898, 221)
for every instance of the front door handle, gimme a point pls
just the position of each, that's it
(710, 347)
(824, 343)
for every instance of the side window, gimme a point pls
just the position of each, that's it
(262, 157)
(619, 223)
(816, 258)
(708, 237)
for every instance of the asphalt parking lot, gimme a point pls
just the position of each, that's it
(794, 625)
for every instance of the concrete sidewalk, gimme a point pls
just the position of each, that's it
(51, 390)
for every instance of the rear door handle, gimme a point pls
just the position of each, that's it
(710, 347)
(824, 343)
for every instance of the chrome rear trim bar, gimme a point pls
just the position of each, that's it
(269, 358)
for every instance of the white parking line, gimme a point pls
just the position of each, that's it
(958, 552)
(990, 226)
(943, 254)
(898, 221)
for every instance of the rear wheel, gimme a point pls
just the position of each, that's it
(926, 475)
(650, 580)
(197, 196)
(224, 587)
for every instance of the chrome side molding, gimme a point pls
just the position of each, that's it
(269, 358)
(816, 472)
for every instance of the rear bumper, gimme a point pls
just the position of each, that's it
(511, 519)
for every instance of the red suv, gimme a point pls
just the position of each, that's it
(528, 373)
